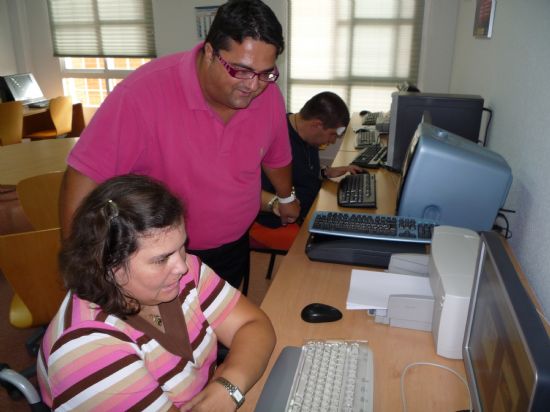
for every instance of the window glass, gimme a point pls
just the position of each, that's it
(363, 48)
(90, 79)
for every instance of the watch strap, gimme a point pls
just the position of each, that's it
(272, 203)
(233, 390)
(289, 199)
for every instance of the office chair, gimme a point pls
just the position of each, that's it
(11, 123)
(39, 198)
(28, 261)
(275, 242)
(61, 113)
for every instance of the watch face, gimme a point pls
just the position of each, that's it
(238, 396)
(234, 391)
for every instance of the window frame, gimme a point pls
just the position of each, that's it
(107, 74)
(347, 83)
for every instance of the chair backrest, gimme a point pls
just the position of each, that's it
(11, 123)
(39, 197)
(28, 261)
(61, 111)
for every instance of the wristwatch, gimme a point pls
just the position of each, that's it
(234, 391)
(289, 199)
(271, 204)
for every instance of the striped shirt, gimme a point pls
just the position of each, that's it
(93, 361)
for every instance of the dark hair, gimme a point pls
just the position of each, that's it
(105, 233)
(327, 107)
(239, 19)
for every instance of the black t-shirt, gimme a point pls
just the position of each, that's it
(306, 170)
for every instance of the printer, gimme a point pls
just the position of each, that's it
(450, 267)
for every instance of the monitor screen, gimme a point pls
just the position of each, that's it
(506, 349)
(23, 87)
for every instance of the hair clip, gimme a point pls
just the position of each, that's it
(113, 210)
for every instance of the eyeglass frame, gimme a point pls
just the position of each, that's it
(232, 71)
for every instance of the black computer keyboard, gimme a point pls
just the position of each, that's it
(371, 157)
(370, 226)
(366, 137)
(369, 119)
(357, 191)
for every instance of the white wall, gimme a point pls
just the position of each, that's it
(438, 37)
(510, 71)
(7, 62)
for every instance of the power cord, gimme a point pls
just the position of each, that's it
(503, 230)
(486, 109)
(410, 365)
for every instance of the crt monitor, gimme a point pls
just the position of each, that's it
(452, 180)
(21, 87)
(506, 348)
(458, 113)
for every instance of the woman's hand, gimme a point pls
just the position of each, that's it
(213, 398)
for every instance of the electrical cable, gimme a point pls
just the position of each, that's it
(507, 232)
(486, 109)
(410, 365)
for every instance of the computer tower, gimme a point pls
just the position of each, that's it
(457, 113)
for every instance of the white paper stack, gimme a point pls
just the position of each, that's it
(370, 290)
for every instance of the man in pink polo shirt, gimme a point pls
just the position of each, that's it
(204, 122)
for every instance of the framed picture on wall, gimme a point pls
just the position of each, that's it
(485, 13)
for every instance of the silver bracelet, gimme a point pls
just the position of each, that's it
(233, 390)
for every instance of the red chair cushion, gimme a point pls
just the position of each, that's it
(281, 238)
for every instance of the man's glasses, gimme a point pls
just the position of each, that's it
(249, 74)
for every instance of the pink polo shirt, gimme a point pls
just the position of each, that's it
(157, 123)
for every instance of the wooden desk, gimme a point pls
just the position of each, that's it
(22, 160)
(300, 281)
(39, 119)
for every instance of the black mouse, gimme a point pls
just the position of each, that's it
(363, 112)
(320, 312)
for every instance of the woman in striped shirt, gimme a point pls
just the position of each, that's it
(140, 325)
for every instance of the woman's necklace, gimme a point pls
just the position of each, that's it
(157, 319)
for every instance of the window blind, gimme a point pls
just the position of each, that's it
(102, 28)
(359, 49)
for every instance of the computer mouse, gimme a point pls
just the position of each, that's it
(320, 312)
(363, 112)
